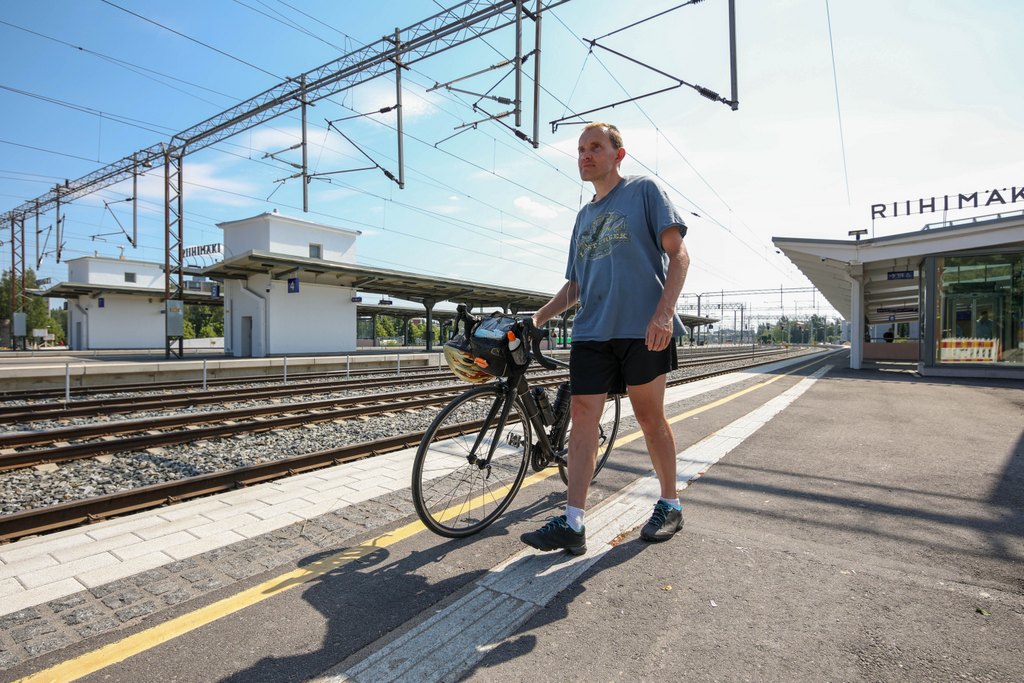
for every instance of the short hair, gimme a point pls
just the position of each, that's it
(613, 133)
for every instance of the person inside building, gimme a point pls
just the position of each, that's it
(984, 327)
(889, 336)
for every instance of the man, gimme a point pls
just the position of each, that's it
(626, 267)
(984, 328)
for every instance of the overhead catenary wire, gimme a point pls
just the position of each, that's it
(164, 75)
(839, 109)
(194, 40)
(454, 155)
(703, 213)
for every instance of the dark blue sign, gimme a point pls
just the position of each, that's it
(901, 275)
(101, 302)
(293, 285)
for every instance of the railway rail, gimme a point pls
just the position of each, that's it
(34, 521)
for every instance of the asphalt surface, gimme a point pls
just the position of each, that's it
(873, 531)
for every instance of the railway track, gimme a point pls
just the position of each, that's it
(28, 522)
(167, 385)
(55, 411)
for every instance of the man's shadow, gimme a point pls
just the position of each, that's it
(360, 608)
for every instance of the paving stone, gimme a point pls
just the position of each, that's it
(336, 521)
(8, 659)
(81, 616)
(23, 634)
(177, 596)
(197, 575)
(241, 570)
(49, 644)
(124, 598)
(97, 627)
(112, 587)
(161, 587)
(181, 566)
(20, 617)
(134, 611)
(202, 580)
(61, 604)
(150, 576)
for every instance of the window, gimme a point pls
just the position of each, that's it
(129, 277)
(315, 250)
(980, 309)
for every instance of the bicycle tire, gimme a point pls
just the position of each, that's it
(608, 430)
(453, 495)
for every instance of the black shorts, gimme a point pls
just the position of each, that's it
(608, 367)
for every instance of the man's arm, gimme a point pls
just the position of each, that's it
(565, 299)
(659, 329)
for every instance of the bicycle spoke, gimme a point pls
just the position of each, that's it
(454, 495)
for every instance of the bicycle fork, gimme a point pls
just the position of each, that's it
(503, 403)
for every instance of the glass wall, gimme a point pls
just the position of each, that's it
(980, 312)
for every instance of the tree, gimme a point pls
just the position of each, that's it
(208, 320)
(59, 330)
(386, 326)
(36, 306)
(37, 314)
(418, 331)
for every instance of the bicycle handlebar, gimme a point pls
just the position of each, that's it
(536, 335)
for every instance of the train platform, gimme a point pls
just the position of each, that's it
(840, 525)
(70, 370)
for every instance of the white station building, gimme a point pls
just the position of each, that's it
(114, 303)
(952, 293)
(288, 314)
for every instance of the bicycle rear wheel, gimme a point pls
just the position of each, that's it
(608, 429)
(470, 465)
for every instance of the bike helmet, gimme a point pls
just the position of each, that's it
(462, 362)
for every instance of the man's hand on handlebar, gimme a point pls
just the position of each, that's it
(536, 335)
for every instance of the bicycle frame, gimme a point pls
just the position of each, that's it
(516, 387)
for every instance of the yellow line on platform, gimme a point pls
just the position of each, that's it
(94, 661)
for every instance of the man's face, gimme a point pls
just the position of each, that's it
(597, 157)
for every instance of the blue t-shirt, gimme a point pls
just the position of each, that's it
(616, 257)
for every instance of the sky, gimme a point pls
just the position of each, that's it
(842, 105)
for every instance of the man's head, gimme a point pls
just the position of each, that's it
(600, 152)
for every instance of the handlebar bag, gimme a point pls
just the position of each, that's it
(489, 343)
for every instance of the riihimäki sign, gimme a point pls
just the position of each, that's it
(948, 202)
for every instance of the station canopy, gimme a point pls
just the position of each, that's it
(75, 290)
(889, 267)
(419, 288)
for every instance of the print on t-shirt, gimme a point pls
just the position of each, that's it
(604, 233)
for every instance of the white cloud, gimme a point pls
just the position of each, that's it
(534, 209)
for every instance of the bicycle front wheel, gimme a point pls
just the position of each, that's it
(607, 430)
(470, 464)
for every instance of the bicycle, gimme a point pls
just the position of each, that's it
(473, 458)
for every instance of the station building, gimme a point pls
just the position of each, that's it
(289, 312)
(959, 283)
(118, 303)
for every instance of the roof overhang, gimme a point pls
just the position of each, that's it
(881, 264)
(76, 290)
(418, 288)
